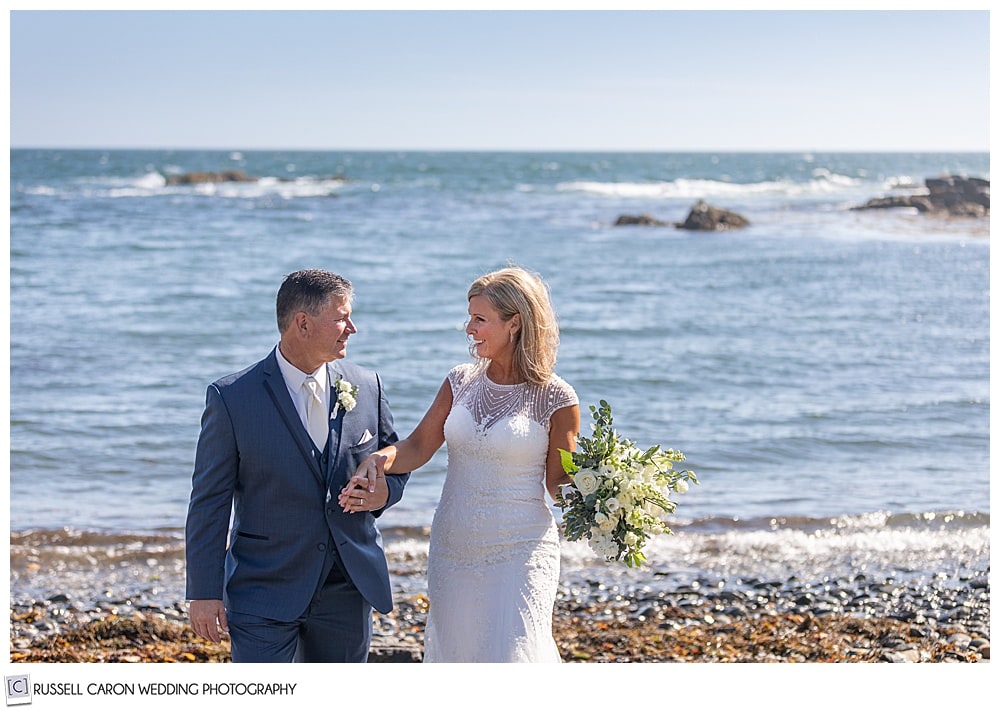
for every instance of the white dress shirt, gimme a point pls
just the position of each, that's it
(294, 377)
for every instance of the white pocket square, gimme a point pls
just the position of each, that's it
(367, 436)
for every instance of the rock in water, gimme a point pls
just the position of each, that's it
(205, 177)
(643, 220)
(950, 196)
(704, 217)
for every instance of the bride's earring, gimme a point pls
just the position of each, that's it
(512, 337)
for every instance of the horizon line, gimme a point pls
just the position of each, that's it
(499, 150)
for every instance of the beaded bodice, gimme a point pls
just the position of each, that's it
(489, 402)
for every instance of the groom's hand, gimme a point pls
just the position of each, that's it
(207, 616)
(367, 489)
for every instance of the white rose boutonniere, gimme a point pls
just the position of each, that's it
(346, 396)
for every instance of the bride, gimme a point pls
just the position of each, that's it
(493, 565)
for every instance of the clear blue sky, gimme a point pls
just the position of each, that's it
(561, 80)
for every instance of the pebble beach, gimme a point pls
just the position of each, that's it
(92, 598)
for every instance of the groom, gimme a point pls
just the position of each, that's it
(299, 576)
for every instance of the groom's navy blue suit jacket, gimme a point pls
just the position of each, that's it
(255, 458)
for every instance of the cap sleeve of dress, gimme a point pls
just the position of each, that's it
(459, 376)
(558, 394)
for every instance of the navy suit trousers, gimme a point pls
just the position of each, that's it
(336, 627)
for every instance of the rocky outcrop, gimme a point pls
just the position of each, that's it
(949, 196)
(205, 177)
(200, 178)
(704, 217)
(642, 220)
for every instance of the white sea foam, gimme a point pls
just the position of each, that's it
(824, 183)
(151, 180)
(829, 553)
(940, 547)
(153, 183)
(43, 190)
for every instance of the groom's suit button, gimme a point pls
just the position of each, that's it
(321, 547)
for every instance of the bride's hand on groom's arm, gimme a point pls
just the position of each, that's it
(367, 489)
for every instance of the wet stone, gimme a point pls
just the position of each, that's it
(855, 618)
(960, 641)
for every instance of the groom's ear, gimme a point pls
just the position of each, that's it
(300, 322)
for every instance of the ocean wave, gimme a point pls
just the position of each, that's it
(40, 190)
(872, 521)
(947, 548)
(153, 184)
(824, 183)
(63, 548)
(781, 538)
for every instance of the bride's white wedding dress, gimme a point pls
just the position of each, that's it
(493, 568)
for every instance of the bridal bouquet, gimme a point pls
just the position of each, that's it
(620, 495)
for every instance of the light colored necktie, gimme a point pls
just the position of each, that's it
(316, 416)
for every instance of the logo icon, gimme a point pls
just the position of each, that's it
(18, 689)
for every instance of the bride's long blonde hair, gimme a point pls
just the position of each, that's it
(514, 290)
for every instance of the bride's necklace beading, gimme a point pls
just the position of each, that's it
(490, 402)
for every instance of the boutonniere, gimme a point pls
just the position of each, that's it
(346, 396)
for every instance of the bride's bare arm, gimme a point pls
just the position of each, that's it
(564, 425)
(406, 454)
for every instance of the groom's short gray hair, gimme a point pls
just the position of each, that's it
(310, 290)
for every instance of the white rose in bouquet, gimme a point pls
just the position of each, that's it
(586, 482)
(620, 494)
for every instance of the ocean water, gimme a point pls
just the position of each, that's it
(821, 365)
